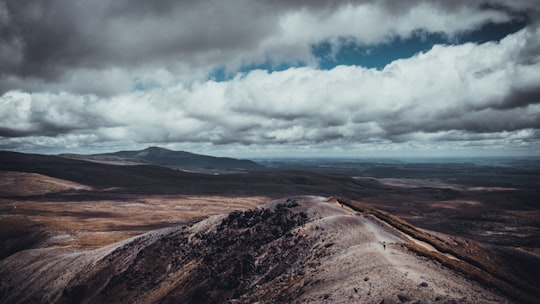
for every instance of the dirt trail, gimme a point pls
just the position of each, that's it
(367, 262)
(382, 233)
(412, 239)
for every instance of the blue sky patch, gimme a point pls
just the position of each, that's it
(349, 52)
(221, 73)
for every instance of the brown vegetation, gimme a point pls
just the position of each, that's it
(298, 250)
(471, 260)
(55, 209)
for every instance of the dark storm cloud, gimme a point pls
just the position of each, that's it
(483, 121)
(53, 40)
(522, 97)
(48, 35)
(8, 132)
(55, 37)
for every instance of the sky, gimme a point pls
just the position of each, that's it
(254, 78)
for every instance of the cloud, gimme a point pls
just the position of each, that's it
(59, 45)
(131, 73)
(486, 93)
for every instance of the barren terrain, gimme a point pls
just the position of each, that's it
(87, 227)
(306, 250)
(94, 219)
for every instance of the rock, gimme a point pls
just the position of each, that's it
(424, 284)
(366, 279)
(423, 302)
(404, 297)
(387, 301)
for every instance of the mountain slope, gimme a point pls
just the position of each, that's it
(156, 179)
(88, 173)
(296, 250)
(174, 159)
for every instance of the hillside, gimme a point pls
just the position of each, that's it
(295, 250)
(157, 179)
(55, 209)
(173, 159)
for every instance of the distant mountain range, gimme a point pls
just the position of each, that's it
(181, 160)
(160, 179)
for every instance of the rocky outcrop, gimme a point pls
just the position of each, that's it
(229, 259)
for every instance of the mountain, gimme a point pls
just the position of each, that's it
(173, 159)
(68, 227)
(93, 174)
(292, 250)
(160, 180)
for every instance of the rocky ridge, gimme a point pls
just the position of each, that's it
(295, 250)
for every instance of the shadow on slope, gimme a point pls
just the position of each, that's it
(17, 234)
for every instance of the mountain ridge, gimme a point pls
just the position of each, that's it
(292, 250)
(181, 160)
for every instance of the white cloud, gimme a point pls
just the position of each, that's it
(128, 74)
(450, 94)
